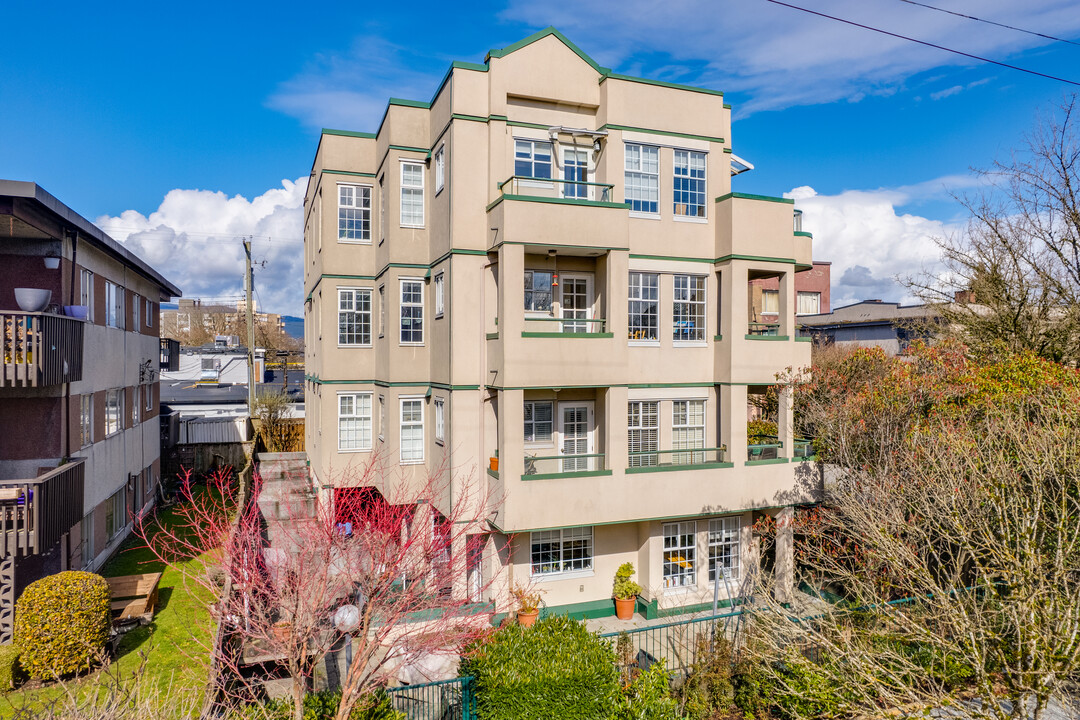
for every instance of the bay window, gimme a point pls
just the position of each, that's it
(644, 302)
(680, 554)
(412, 430)
(354, 421)
(412, 194)
(642, 178)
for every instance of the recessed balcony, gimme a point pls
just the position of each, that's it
(40, 349)
(574, 192)
(36, 512)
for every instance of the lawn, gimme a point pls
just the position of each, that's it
(170, 654)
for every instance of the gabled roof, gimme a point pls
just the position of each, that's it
(540, 36)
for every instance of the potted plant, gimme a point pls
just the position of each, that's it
(281, 630)
(625, 591)
(528, 602)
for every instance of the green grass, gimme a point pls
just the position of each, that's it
(171, 652)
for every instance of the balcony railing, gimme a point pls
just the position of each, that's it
(40, 349)
(643, 461)
(544, 327)
(555, 188)
(35, 513)
(763, 447)
(539, 467)
(763, 329)
(804, 449)
(170, 355)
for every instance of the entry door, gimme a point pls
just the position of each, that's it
(575, 172)
(576, 302)
(576, 436)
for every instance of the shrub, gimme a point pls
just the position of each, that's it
(624, 588)
(556, 669)
(321, 705)
(760, 427)
(707, 690)
(62, 623)
(10, 670)
(649, 697)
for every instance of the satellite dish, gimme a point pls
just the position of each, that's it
(347, 618)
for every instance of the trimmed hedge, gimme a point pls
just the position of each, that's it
(10, 671)
(555, 669)
(62, 623)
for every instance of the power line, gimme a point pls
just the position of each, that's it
(991, 22)
(927, 44)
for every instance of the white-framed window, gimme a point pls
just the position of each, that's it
(86, 531)
(440, 169)
(532, 159)
(643, 426)
(412, 430)
(114, 411)
(135, 303)
(86, 293)
(412, 312)
(382, 418)
(770, 302)
(354, 316)
(149, 308)
(562, 551)
(440, 295)
(86, 420)
(724, 545)
(644, 307)
(688, 308)
(537, 291)
(808, 303)
(538, 422)
(384, 209)
(575, 173)
(354, 213)
(688, 431)
(114, 305)
(382, 310)
(135, 405)
(689, 184)
(354, 421)
(680, 554)
(642, 178)
(412, 194)
(440, 419)
(116, 518)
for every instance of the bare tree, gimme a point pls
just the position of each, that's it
(1012, 278)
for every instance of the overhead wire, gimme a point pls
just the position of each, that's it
(927, 44)
(992, 22)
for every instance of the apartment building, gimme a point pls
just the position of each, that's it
(79, 435)
(200, 320)
(542, 280)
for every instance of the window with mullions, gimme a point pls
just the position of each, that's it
(537, 291)
(354, 316)
(561, 551)
(724, 546)
(575, 173)
(680, 554)
(644, 294)
(642, 179)
(114, 411)
(412, 312)
(643, 425)
(688, 431)
(808, 303)
(440, 169)
(688, 308)
(538, 419)
(689, 183)
(412, 430)
(354, 421)
(354, 213)
(86, 420)
(532, 159)
(114, 305)
(440, 419)
(412, 194)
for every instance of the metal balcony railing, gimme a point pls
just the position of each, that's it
(566, 326)
(557, 189)
(675, 459)
(552, 465)
(39, 349)
(35, 513)
(763, 447)
(763, 329)
(170, 355)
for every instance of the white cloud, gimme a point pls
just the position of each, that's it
(194, 239)
(869, 243)
(946, 92)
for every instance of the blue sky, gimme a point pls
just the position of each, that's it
(179, 128)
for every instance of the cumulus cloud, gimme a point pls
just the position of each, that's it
(194, 239)
(869, 242)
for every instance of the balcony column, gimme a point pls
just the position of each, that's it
(614, 308)
(735, 307)
(785, 556)
(511, 307)
(616, 444)
(733, 423)
(511, 442)
(787, 304)
(785, 426)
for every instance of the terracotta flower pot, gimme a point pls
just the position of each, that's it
(624, 608)
(527, 619)
(493, 463)
(281, 632)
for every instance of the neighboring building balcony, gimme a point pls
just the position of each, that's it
(40, 349)
(170, 355)
(762, 448)
(554, 213)
(35, 513)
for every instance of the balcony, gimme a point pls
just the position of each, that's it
(40, 349)
(545, 467)
(170, 355)
(565, 328)
(671, 460)
(757, 330)
(35, 513)
(573, 192)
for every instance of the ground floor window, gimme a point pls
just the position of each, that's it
(724, 546)
(116, 515)
(559, 551)
(680, 554)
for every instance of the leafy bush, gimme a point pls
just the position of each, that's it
(755, 428)
(62, 623)
(624, 588)
(649, 697)
(707, 689)
(556, 669)
(10, 670)
(321, 705)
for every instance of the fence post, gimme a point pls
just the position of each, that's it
(467, 707)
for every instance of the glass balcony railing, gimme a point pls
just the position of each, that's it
(675, 459)
(553, 465)
(565, 325)
(763, 447)
(804, 449)
(555, 188)
(763, 329)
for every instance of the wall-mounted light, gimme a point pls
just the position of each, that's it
(52, 261)
(596, 145)
(555, 271)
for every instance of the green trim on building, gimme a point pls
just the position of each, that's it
(672, 258)
(494, 202)
(555, 476)
(773, 338)
(666, 518)
(717, 338)
(462, 116)
(409, 148)
(728, 150)
(669, 133)
(348, 172)
(346, 277)
(748, 196)
(565, 335)
(453, 388)
(494, 117)
(803, 338)
(556, 245)
(348, 133)
(661, 83)
(639, 386)
(409, 103)
(519, 123)
(567, 201)
(714, 261)
(492, 336)
(493, 473)
(770, 461)
(757, 258)
(678, 468)
(727, 106)
(801, 233)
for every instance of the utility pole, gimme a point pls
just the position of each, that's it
(248, 282)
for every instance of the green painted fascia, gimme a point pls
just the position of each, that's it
(588, 610)
(770, 461)
(564, 335)
(800, 338)
(634, 256)
(540, 36)
(347, 277)
(718, 338)
(714, 261)
(678, 468)
(558, 245)
(494, 203)
(639, 386)
(348, 133)
(756, 258)
(548, 387)
(773, 338)
(407, 266)
(568, 201)
(748, 196)
(726, 106)
(473, 118)
(348, 172)
(456, 65)
(446, 386)
(409, 148)
(660, 83)
(492, 336)
(801, 233)
(493, 473)
(628, 128)
(503, 118)
(518, 123)
(664, 518)
(409, 103)
(555, 476)
(728, 150)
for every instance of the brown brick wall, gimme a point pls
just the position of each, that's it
(99, 300)
(31, 427)
(99, 416)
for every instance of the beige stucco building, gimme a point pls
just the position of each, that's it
(539, 281)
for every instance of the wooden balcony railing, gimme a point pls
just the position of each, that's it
(39, 349)
(35, 513)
